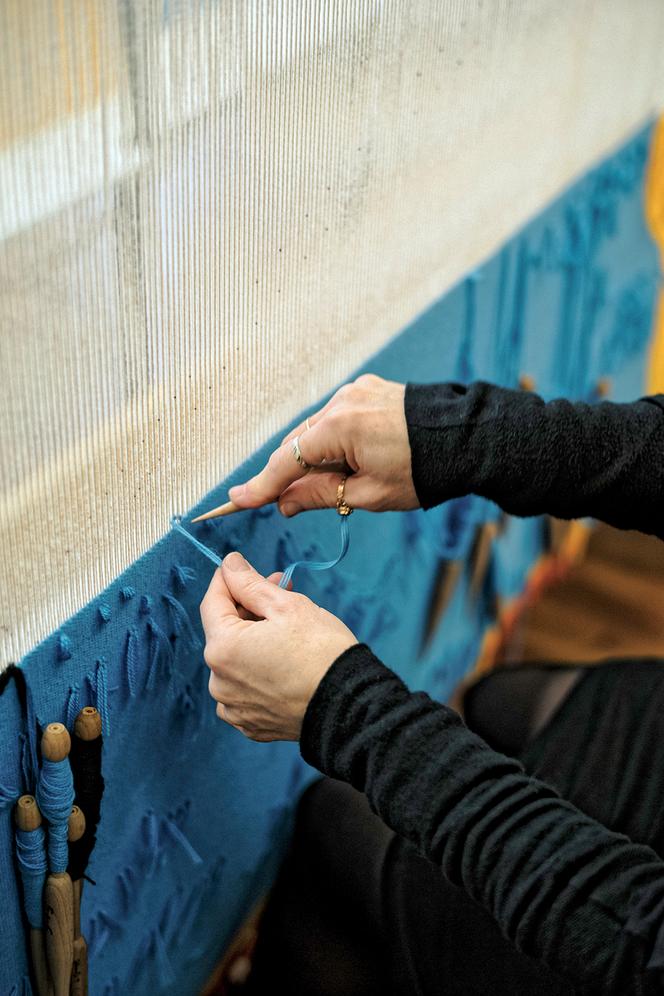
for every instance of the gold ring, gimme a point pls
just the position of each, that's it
(297, 453)
(343, 508)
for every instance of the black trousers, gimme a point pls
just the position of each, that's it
(357, 912)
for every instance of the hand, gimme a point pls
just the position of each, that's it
(361, 431)
(267, 649)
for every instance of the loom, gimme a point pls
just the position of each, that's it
(211, 214)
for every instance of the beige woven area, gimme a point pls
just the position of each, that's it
(211, 212)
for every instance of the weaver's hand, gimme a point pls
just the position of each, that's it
(267, 650)
(362, 429)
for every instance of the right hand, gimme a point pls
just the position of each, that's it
(361, 431)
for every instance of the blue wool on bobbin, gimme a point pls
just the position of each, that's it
(55, 797)
(31, 857)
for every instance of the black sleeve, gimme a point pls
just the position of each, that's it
(604, 460)
(567, 891)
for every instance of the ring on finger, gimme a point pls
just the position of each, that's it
(343, 508)
(297, 453)
(306, 423)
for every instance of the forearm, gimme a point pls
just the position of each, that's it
(561, 886)
(530, 457)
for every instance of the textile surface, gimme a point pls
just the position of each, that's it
(211, 213)
(195, 818)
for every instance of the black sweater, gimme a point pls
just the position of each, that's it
(585, 900)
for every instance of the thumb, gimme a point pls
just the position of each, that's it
(250, 589)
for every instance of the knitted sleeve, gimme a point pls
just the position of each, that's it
(566, 890)
(571, 460)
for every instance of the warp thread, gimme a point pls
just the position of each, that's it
(309, 565)
(85, 757)
(55, 797)
(31, 856)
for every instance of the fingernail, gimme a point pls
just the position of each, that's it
(289, 508)
(236, 492)
(236, 562)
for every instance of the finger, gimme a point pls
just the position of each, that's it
(322, 445)
(218, 607)
(250, 589)
(234, 718)
(320, 491)
(273, 579)
(303, 427)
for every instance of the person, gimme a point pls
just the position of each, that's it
(467, 869)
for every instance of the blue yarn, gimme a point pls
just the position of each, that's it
(31, 855)
(55, 797)
(320, 565)
(309, 565)
(101, 696)
(176, 524)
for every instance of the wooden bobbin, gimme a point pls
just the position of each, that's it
(79, 971)
(28, 817)
(88, 724)
(59, 908)
(76, 825)
(27, 814)
(58, 891)
(56, 742)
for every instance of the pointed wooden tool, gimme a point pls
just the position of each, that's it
(226, 509)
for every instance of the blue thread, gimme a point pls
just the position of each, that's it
(309, 565)
(181, 620)
(22, 988)
(151, 846)
(131, 661)
(105, 925)
(164, 966)
(145, 605)
(127, 593)
(185, 701)
(112, 988)
(182, 575)
(55, 797)
(127, 885)
(176, 523)
(318, 565)
(104, 612)
(101, 696)
(177, 835)
(161, 650)
(26, 771)
(31, 855)
(63, 649)
(71, 710)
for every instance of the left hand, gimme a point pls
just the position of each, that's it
(267, 650)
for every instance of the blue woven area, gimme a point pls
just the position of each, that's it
(195, 818)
